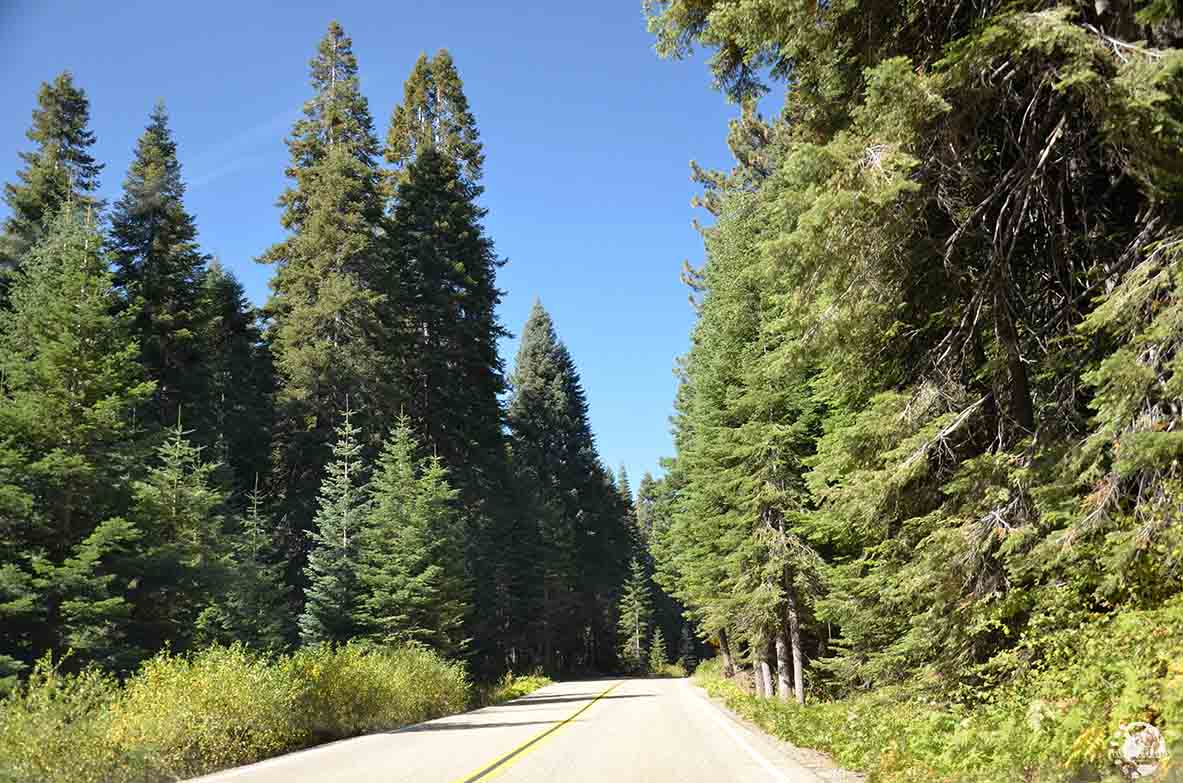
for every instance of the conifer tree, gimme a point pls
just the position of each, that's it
(325, 332)
(60, 170)
(658, 655)
(332, 598)
(253, 605)
(69, 383)
(182, 561)
(434, 114)
(159, 267)
(412, 555)
(581, 528)
(635, 612)
(238, 414)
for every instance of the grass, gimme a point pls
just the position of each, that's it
(508, 688)
(1054, 719)
(183, 716)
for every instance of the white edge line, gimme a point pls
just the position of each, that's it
(735, 735)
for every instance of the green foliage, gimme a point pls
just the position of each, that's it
(411, 560)
(58, 172)
(635, 613)
(180, 716)
(659, 658)
(331, 601)
(159, 269)
(1059, 701)
(511, 686)
(356, 689)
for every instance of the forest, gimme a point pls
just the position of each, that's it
(928, 426)
(925, 500)
(351, 461)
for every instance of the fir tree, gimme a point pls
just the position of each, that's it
(253, 606)
(60, 170)
(159, 267)
(581, 530)
(325, 331)
(635, 612)
(332, 598)
(238, 414)
(412, 557)
(70, 381)
(182, 563)
(658, 655)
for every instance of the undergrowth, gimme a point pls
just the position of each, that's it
(1053, 718)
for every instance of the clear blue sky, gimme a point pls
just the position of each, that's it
(588, 137)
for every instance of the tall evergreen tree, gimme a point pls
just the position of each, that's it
(325, 332)
(332, 599)
(412, 558)
(70, 381)
(159, 266)
(60, 170)
(634, 616)
(581, 528)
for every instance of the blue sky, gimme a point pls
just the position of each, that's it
(588, 136)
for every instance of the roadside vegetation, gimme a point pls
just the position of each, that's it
(1062, 704)
(180, 716)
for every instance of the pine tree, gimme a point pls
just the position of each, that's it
(686, 649)
(634, 615)
(325, 330)
(69, 383)
(183, 560)
(412, 556)
(332, 598)
(59, 171)
(658, 656)
(159, 267)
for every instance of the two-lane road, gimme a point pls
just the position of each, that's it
(662, 731)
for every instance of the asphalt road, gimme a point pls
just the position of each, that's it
(593, 730)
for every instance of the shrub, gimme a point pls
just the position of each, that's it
(219, 708)
(356, 689)
(511, 686)
(54, 729)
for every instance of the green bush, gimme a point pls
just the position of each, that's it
(219, 708)
(54, 729)
(511, 686)
(181, 716)
(357, 689)
(1053, 716)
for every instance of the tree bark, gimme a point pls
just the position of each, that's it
(794, 622)
(1021, 407)
(782, 663)
(725, 649)
(764, 670)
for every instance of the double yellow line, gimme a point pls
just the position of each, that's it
(504, 762)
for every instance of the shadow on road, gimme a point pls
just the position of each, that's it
(470, 725)
(575, 697)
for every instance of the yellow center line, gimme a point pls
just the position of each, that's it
(506, 761)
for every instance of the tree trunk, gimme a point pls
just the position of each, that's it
(725, 649)
(782, 663)
(794, 622)
(757, 648)
(763, 669)
(1021, 407)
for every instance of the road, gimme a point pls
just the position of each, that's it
(651, 730)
